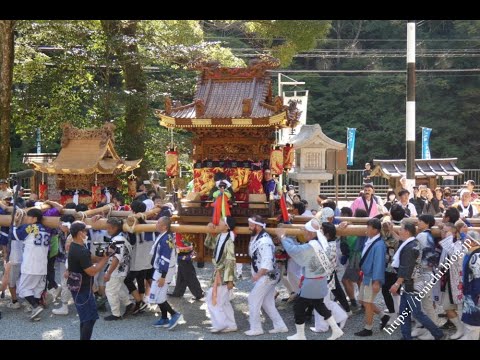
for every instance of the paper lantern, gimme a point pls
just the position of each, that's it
(171, 161)
(42, 191)
(96, 194)
(288, 157)
(276, 161)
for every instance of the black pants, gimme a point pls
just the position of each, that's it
(51, 283)
(187, 276)
(340, 294)
(301, 305)
(86, 329)
(33, 301)
(390, 279)
(140, 277)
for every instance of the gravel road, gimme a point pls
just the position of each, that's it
(15, 324)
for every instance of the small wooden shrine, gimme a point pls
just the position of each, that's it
(234, 117)
(87, 161)
(427, 171)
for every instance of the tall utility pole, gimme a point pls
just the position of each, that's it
(410, 129)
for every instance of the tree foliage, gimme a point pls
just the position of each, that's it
(375, 103)
(74, 71)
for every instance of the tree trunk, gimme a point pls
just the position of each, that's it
(122, 36)
(6, 78)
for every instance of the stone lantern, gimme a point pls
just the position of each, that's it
(317, 159)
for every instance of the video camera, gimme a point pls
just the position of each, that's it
(103, 247)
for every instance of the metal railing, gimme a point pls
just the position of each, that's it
(351, 183)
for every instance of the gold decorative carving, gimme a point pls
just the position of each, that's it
(86, 182)
(104, 133)
(256, 68)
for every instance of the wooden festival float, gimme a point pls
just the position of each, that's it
(234, 118)
(87, 164)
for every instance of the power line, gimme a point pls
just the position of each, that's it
(350, 40)
(375, 71)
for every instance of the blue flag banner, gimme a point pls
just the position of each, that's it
(426, 142)
(350, 145)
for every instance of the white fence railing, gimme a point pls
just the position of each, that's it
(350, 184)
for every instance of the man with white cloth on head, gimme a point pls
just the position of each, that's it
(315, 256)
(265, 275)
(223, 260)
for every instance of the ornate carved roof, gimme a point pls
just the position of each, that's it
(231, 97)
(87, 151)
(423, 168)
(313, 136)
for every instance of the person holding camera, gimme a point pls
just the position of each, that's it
(116, 272)
(81, 271)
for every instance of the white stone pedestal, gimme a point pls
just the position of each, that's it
(309, 185)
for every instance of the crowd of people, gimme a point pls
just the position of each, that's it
(131, 270)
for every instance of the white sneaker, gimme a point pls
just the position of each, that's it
(214, 330)
(36, 312)
(28, 307)
(12, 305)
(253, 332)
(317, 331)
(300, 334)
(277, 331)
(61, 311)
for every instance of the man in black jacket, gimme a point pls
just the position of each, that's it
(407, 261)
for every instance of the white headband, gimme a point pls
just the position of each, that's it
(66, 224)
(251, 220)
(321, 238)
(309, 227)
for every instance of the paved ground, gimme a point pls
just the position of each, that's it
(15, 324)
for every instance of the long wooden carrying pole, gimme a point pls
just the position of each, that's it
(351, 230)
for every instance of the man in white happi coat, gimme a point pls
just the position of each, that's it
(223, 260)
(265, 275)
